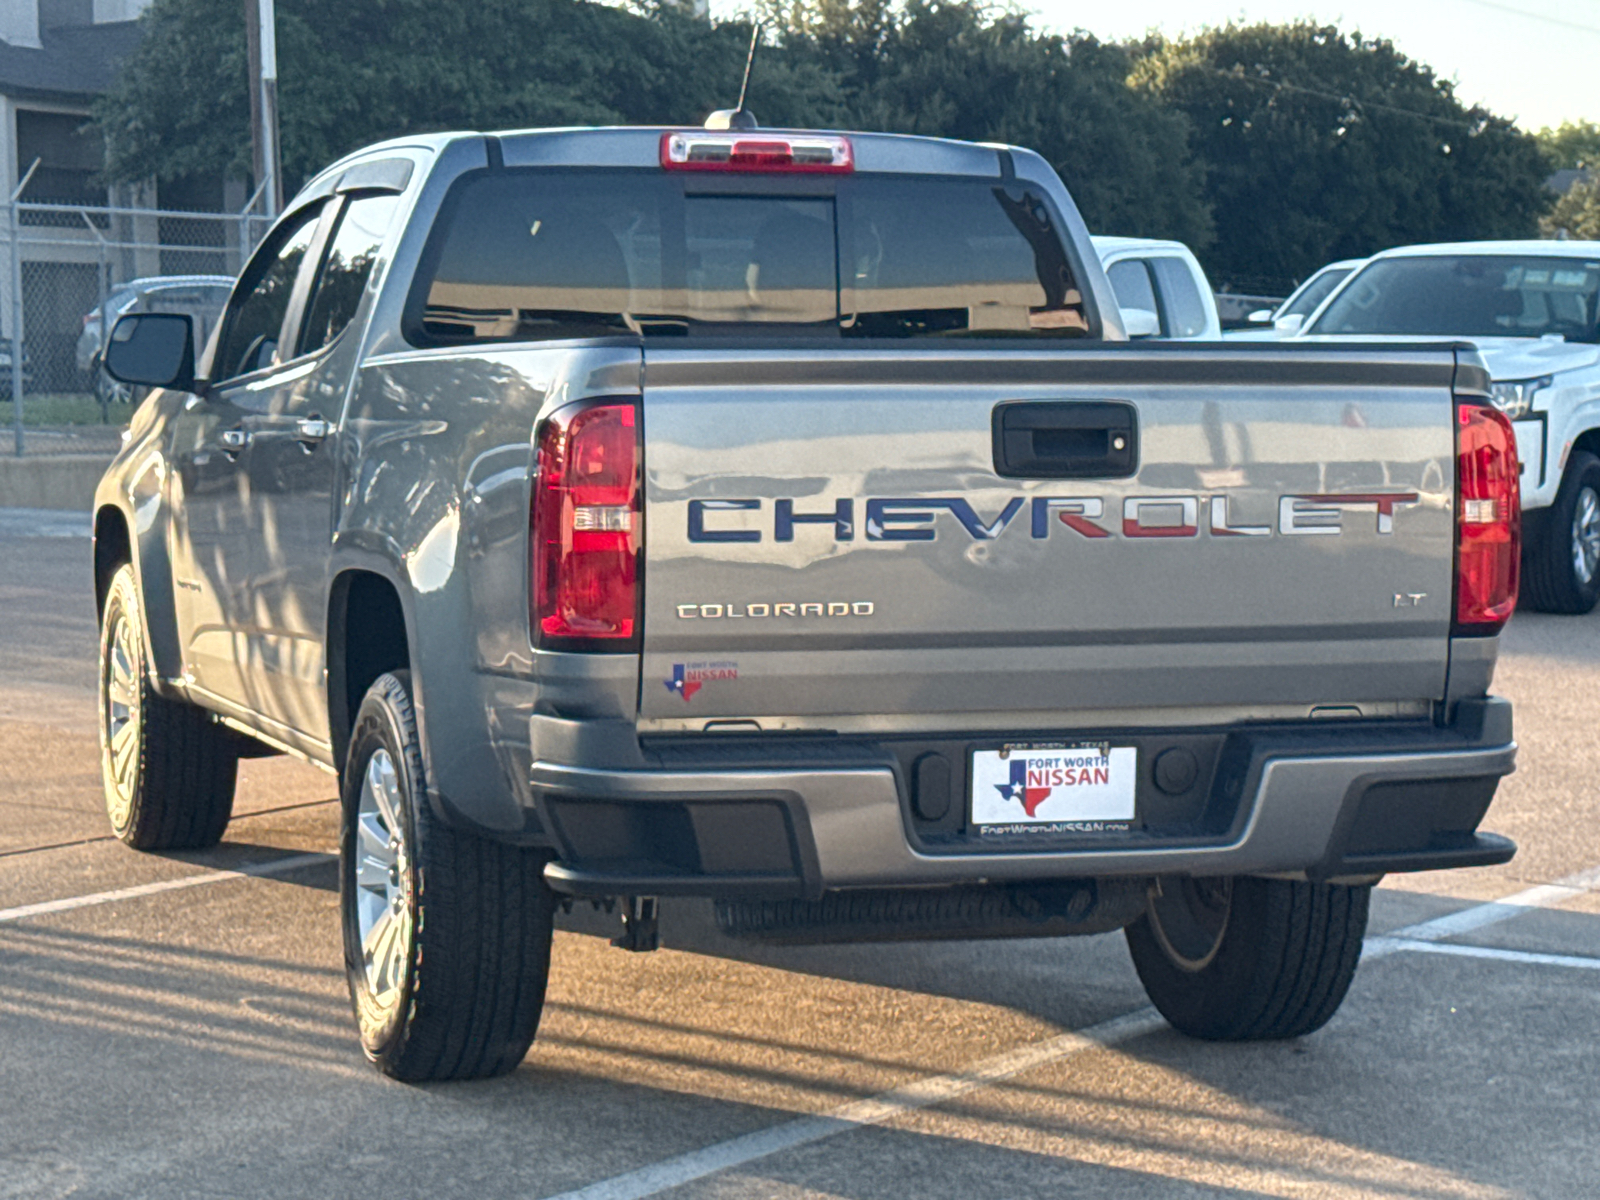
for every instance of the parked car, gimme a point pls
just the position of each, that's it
(201, 296)
(5, 370)
(1287, 319)
(1532, 308)
(623, 513)
(1165, 279)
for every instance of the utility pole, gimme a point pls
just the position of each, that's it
(261, 38)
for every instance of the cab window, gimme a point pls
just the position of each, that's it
(1183, 311)
(250, 341)
(1130, 279)
(346, 269)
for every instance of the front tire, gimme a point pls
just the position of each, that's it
(1246, 959)
(169, 769)
(446, 935)
(1561, 567)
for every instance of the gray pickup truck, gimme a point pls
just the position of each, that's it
(785, 519)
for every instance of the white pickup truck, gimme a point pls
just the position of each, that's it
(1530, 309)
(1150, 275)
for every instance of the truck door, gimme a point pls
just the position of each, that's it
(293, 465)
(216, 522)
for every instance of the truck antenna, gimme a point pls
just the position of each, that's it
(739, 117)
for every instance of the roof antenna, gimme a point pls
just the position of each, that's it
(739, 117)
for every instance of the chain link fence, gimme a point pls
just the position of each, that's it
(67, 273)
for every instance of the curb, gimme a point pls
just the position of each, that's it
(51, 481)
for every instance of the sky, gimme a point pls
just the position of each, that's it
(1532, 60)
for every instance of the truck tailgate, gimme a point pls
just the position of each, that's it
(829, 538)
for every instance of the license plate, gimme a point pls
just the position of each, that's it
(1059, 788)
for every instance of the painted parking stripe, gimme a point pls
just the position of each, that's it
(740, 1151)
(937, 1089)
(279, 866)
(44, 523)
(1581, 962)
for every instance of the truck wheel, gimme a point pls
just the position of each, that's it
(1244, 959)
(169, 768)
(446, 935)
(1561, 567)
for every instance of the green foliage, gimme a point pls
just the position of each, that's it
(1279, 147)
(1322, 145)
(1577, 213)
(1574, 144)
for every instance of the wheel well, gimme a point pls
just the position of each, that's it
(1588, 440)
(366, 637)
(112, 548)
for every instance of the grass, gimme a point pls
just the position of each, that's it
(61, 408)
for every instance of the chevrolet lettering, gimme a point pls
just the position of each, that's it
(913, 519)
(788, 520)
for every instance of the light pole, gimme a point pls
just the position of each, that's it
(261, 37)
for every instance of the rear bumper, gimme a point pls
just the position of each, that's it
(794, 818)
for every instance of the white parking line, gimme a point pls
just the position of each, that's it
(44, 523)
(249, 871)
(736, 1152)
(1454, 949)
(935, 1089)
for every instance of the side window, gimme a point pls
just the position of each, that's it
(250, 341)
(1130, 279)
(1185, 313)
(351, 255)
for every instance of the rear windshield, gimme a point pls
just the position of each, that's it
(1469, 295)
(525, 255)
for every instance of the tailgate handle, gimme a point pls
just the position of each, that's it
(1066, 439)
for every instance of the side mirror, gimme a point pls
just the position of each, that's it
(1140, 322)
(1290, 325)
(1260, 317)
(153, 349)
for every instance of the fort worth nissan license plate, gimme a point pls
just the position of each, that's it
(1039, 788)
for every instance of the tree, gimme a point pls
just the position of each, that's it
(956, 68)
(1322, 145)
(1577, 213)
(1575, 144)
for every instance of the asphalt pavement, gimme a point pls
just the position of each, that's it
(176, 1026)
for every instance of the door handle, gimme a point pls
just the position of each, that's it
(233, 441)
(1066, 439)
(311, 430)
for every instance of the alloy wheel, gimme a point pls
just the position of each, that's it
(1190, 917)
(120, 715)
(1586, 536)
(383, 881)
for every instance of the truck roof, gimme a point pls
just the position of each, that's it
(640, 146)
(1551, 249)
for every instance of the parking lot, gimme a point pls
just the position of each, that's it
(177, 1026)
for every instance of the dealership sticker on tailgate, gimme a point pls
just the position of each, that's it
(1053, 788)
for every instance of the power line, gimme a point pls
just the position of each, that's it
(1532, 16)
(1354, 102)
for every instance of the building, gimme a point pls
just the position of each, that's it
(56, 58)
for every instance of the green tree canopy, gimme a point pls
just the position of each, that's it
(361, 70)
(1574, 144)
(1576, 214)
(1323, 145)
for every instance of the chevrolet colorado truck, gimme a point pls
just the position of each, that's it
(785, 519)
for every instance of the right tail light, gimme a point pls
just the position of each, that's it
(1488, 519)
(584, 531)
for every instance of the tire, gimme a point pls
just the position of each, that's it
(169, 768)
(1248, 959)
(1561, 564)
(458, 927)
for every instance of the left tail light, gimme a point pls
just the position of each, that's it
(585, 531)
(1488, 519)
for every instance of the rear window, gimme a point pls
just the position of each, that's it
(526, 255)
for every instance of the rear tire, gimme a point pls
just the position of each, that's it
(1561, 564)
(169, 768)
(446, 935)
(1246, 959)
